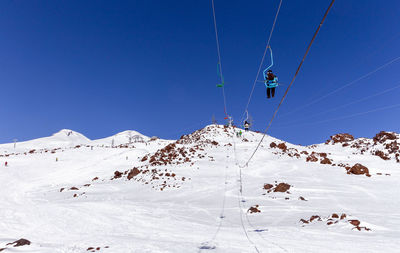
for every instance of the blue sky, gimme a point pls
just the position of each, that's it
(101, 67)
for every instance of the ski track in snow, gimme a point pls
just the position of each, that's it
(206, 213)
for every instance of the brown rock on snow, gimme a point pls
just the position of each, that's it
(392, 147)
(315, 217)
(355, 222)
(282, 187)
(358, 169)
(302, 198)
(326, 161)
(117, 174)
(254, 209)
(304, 221)
(311, 158)
(382, 136)
(272, 145)
(20, 242)
(268, 186)
(339, 138)
(381, 155)
(134, 172)
(282, 146)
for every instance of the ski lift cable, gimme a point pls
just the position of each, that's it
(291, 83)
(219, 57)
(263, 57)
(348, 116)
(342, 87)
(342, 106)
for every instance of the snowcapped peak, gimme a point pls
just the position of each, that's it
(130, 133)
(125, 137)
(67, 132)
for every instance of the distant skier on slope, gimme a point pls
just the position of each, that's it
(271, 82)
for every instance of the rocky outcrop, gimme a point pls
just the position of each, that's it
(383, 136)
(254, 209)
(340, 138)
(279, 187)
(358, 169)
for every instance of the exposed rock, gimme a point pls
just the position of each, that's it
(381, 155)
(20, 242)
(311, 158)
(340, 138)
(268, 186)
(383, 136)
(355, 222)
(358, 169)
(392, 147)
(304, 221)
(117, 174)
(282, 146)
(272, 145)
(326, 161)
(317, 217)
(133, 172)
(282, 187)
(254, 209)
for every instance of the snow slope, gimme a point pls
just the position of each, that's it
(195, 195)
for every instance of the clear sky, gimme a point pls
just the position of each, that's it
(101, 67)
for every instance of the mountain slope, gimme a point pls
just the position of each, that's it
(194, 194)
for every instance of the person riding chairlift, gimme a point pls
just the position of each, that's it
(271, 82)
(246, 126)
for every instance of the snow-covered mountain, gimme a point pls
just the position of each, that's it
(132, 193)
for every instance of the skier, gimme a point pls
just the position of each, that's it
(246, 126)
(240, 133)
(271, 82)
(6, 164)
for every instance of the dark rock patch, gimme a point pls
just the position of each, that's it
(133, 172)
(117, 174)
(281, 187)
(267, 186)
(340, 138)
(383, 136)
(358, 169)
(20, 242)
(254, 209)
(381, 155)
